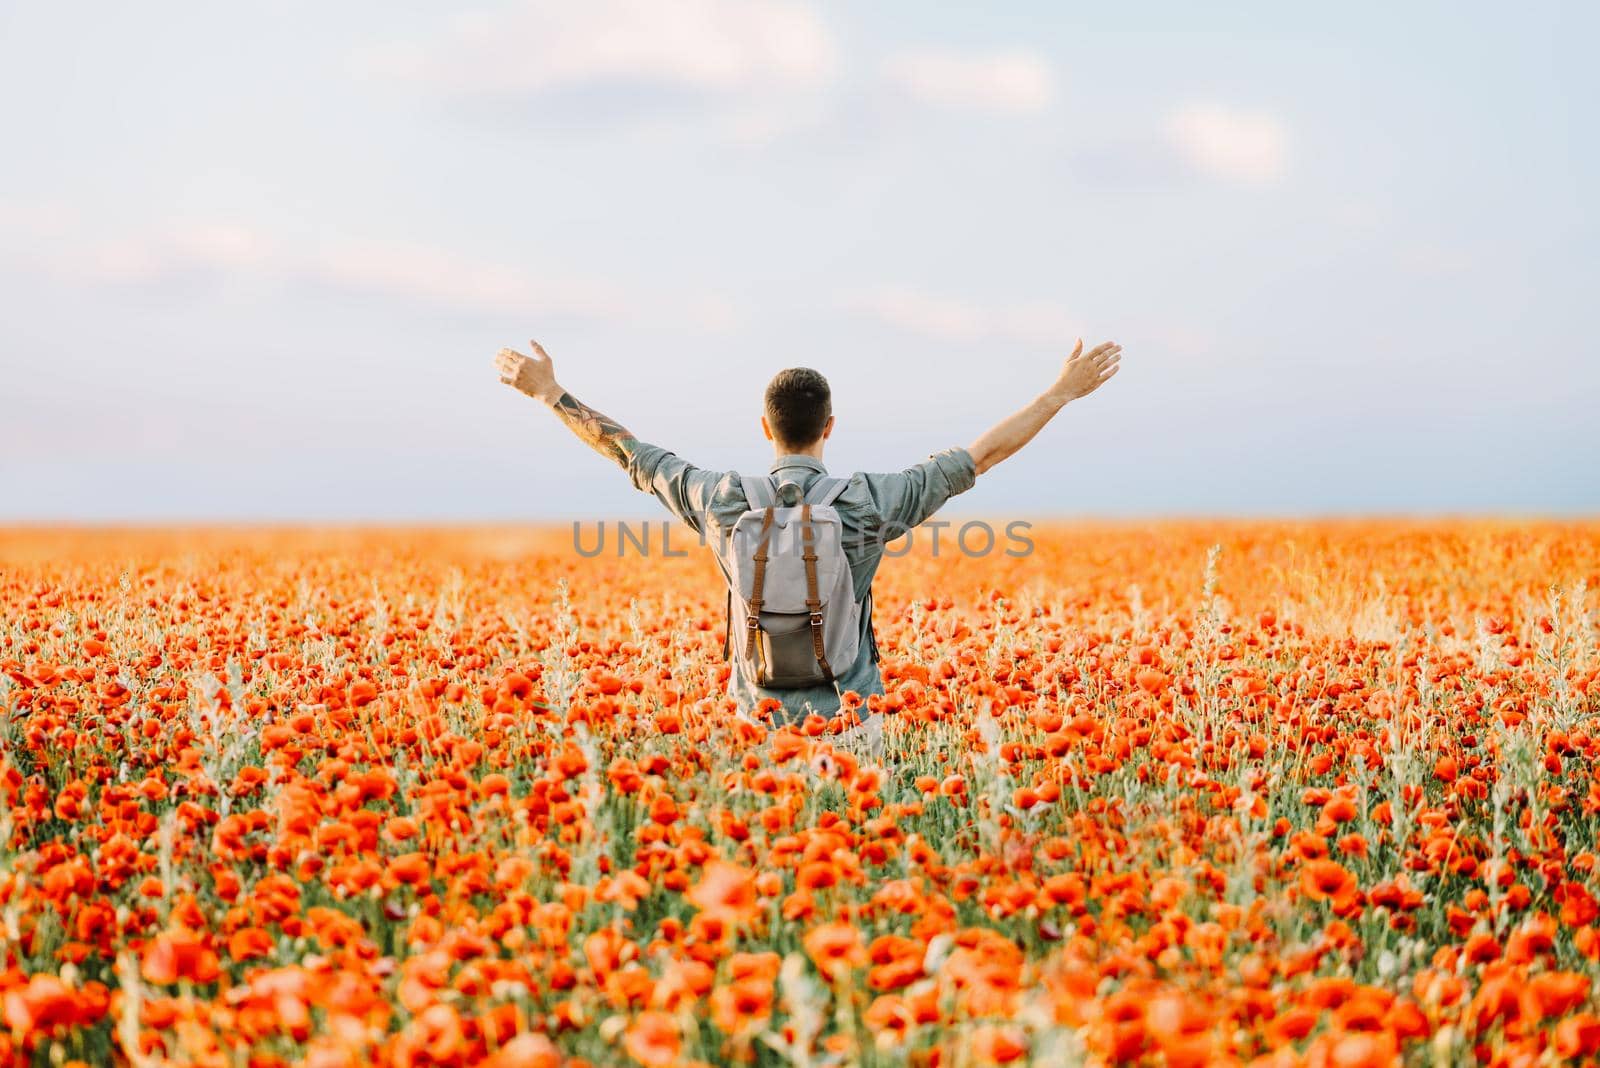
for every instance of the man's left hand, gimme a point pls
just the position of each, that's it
(534, 375)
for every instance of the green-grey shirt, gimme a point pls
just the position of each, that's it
(873, 509)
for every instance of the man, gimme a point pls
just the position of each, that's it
(872, 508)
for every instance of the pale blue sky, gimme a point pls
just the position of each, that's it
(256, 259)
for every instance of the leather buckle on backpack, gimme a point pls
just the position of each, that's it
(752, 622)
(816, 619)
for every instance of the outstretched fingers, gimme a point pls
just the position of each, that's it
(1104, 356)
(507, 362)
(1103, 363)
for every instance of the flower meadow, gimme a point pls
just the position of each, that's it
(1168, 794)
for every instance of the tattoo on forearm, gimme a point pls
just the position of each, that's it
(603, 433)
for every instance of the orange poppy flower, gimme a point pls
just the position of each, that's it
(727, 891)
(653, 1040)
(836, 949)
(1322, 879)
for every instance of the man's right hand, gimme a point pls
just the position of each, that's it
(1083, 374)
(534, 375)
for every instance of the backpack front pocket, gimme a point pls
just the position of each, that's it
(788, 652)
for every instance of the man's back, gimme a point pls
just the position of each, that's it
(873, 510)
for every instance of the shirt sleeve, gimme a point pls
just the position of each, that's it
(687, 491)
(906, 498)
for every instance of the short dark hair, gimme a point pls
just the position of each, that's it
(798, 406)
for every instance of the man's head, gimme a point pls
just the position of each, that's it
(799, 411)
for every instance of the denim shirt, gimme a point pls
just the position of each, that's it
(873, 509)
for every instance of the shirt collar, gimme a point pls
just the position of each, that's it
(809, 463)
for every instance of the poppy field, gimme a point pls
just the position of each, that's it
(1175, 794)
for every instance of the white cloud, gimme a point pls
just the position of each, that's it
(27, 220)
(723, 46)
(948, 319)
(224, 246)
(229, 255)
(422, 273)
(416, 272)
(1005, 81)
(76, 251)
(1244, 147)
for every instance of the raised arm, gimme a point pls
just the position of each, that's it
(535, 375)
(1080, 376)
(691, 493)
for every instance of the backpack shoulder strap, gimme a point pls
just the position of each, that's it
(824, 491)
(757, 491)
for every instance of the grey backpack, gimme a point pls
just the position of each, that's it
(793, 616)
